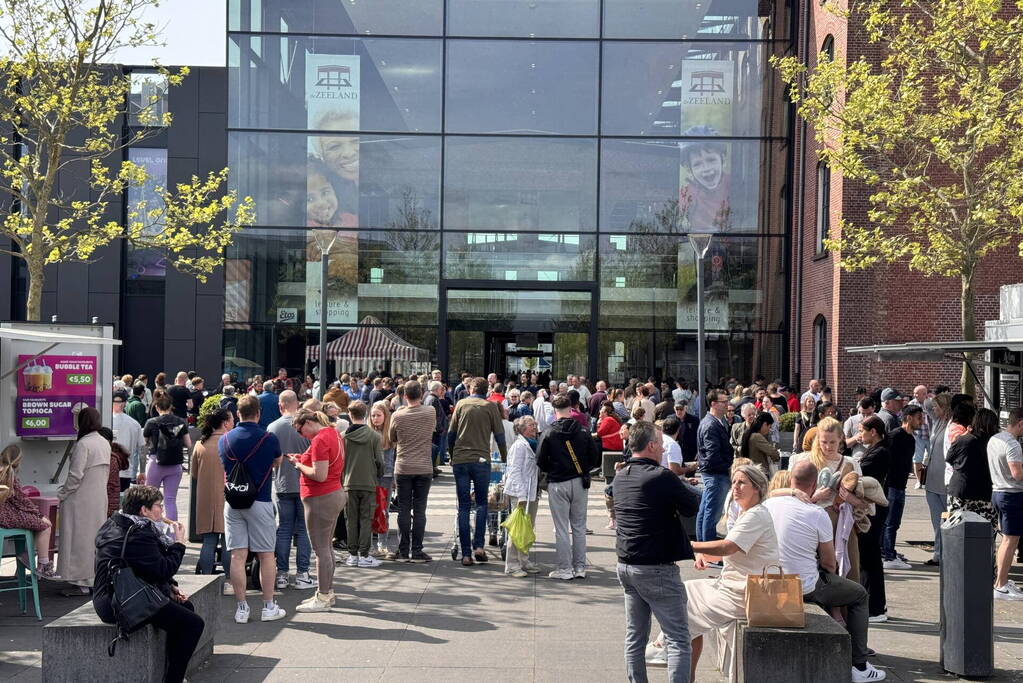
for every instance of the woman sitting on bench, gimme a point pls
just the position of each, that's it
(155, 556)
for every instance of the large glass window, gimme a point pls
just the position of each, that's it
(533, 19)
(529, 88)
(147, 99)
(694, 19)
(664, 89)
(398, 17)
(694, 185)
(823, 231)
(518, 310)
(734, 354)
(370, 181)
(274, 276)
(147, 264)
(543, 257)
(650, 281)
(351, 84)
(512, 184)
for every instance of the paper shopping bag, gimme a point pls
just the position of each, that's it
(775, 600)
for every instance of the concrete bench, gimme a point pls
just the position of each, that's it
(75, 645)
(820, 652)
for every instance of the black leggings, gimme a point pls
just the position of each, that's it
(184, 628)
(872, 564)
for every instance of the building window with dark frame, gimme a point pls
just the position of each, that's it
(820, 346)
(147, 99)
(823, 207)
(828, 47)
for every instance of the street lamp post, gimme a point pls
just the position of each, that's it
(700, 243)
(325, 241)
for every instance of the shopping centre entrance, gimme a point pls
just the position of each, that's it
(531, 329)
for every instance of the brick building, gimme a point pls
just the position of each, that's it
(833, 309)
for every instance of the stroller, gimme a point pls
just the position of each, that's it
(497, 511)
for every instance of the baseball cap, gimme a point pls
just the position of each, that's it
(890, 394)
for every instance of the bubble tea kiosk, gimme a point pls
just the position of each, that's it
(48, 373)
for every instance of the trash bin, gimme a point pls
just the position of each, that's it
(966, 643)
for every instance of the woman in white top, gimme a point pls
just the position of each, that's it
(521, 487)
(750, 546)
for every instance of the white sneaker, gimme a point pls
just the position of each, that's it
(352, 561)
(562, 574)
(517, 573)
(1008, 592)
(273, 613)
(531, 568)
(917, 486)
(369, 561)
(896, 564)
(241, 613)
(868, 675)
(579, 573)
(878, 619)
(282, 580)
(228, 588)
(656, 656)
(303, 581)
(317, 603)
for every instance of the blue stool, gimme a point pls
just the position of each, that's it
(24, 542)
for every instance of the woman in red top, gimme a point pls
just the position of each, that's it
(322, 496)
(608, 428)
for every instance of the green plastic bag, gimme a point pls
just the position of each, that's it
(520, 529)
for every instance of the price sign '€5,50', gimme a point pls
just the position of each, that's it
(51, 391)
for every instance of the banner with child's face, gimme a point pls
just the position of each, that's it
(332, 103)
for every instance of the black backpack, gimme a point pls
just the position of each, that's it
(240, 491)
(170, 443)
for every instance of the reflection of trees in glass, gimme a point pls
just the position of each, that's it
(570, 354)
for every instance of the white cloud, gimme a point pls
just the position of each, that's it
(194, 31)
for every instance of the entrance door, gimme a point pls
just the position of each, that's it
(509, 332)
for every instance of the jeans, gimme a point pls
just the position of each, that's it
(412, 492)
(712, 502)
(184, 629)
(657, 589)
(936, 503)
(567, 500)
(896, 504)
(477, 476)
(170, 477)
(442, 449)
(208, 553)
(291, 524)
(837, 591)
(871, 567)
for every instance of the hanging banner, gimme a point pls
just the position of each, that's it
(342, 279)
(333, 95)
(715, 293)
(51, 392)
(708, 94)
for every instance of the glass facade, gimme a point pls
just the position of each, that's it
(509, 186)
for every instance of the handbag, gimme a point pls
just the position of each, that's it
(134, 601)
(775, 599)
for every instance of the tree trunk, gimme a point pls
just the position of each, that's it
(34, 266)
(969, 325)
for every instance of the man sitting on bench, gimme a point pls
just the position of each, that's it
(805, 538)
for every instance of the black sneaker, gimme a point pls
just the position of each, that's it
(493, 539)
(479, 556)
(395, 556)
(419, 557)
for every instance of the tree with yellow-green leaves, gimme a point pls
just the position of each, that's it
(61, 112)
(932, 127)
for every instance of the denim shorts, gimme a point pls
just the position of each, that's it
(255, 528)
(1010, 511)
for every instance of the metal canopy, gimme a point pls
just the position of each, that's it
(934, 351)
(54, 337)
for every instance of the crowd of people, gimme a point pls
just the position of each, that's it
(276, 468)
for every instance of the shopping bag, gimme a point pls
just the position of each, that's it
(380, 513)
(520, 529)
(775, 599)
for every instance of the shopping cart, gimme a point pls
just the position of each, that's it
(497, 511)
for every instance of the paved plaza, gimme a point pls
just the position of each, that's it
(440, 621)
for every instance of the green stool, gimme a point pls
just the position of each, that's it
(24, 542)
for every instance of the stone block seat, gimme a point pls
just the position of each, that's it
(75, 645)
(820, 652)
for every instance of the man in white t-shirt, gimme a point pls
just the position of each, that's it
(671, 458)
(804, 535)
(1005, 460)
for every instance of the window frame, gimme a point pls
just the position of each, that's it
(822, 228)
(820, 346)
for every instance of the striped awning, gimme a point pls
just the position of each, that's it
(369, 346)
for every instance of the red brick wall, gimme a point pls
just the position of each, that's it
(887, 303)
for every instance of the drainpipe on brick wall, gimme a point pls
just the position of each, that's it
(800, 207)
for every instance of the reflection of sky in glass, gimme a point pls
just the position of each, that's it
(534, 19)
(521, 87)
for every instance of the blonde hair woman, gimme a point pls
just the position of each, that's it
(322, 496)
(18, 512)
(380, 422)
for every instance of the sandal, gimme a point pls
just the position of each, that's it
(467, 561)
(480, 556)
(47, 571)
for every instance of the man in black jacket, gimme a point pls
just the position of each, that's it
(567, 453)
(649, 503)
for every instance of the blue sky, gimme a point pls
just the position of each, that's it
(193, 30)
